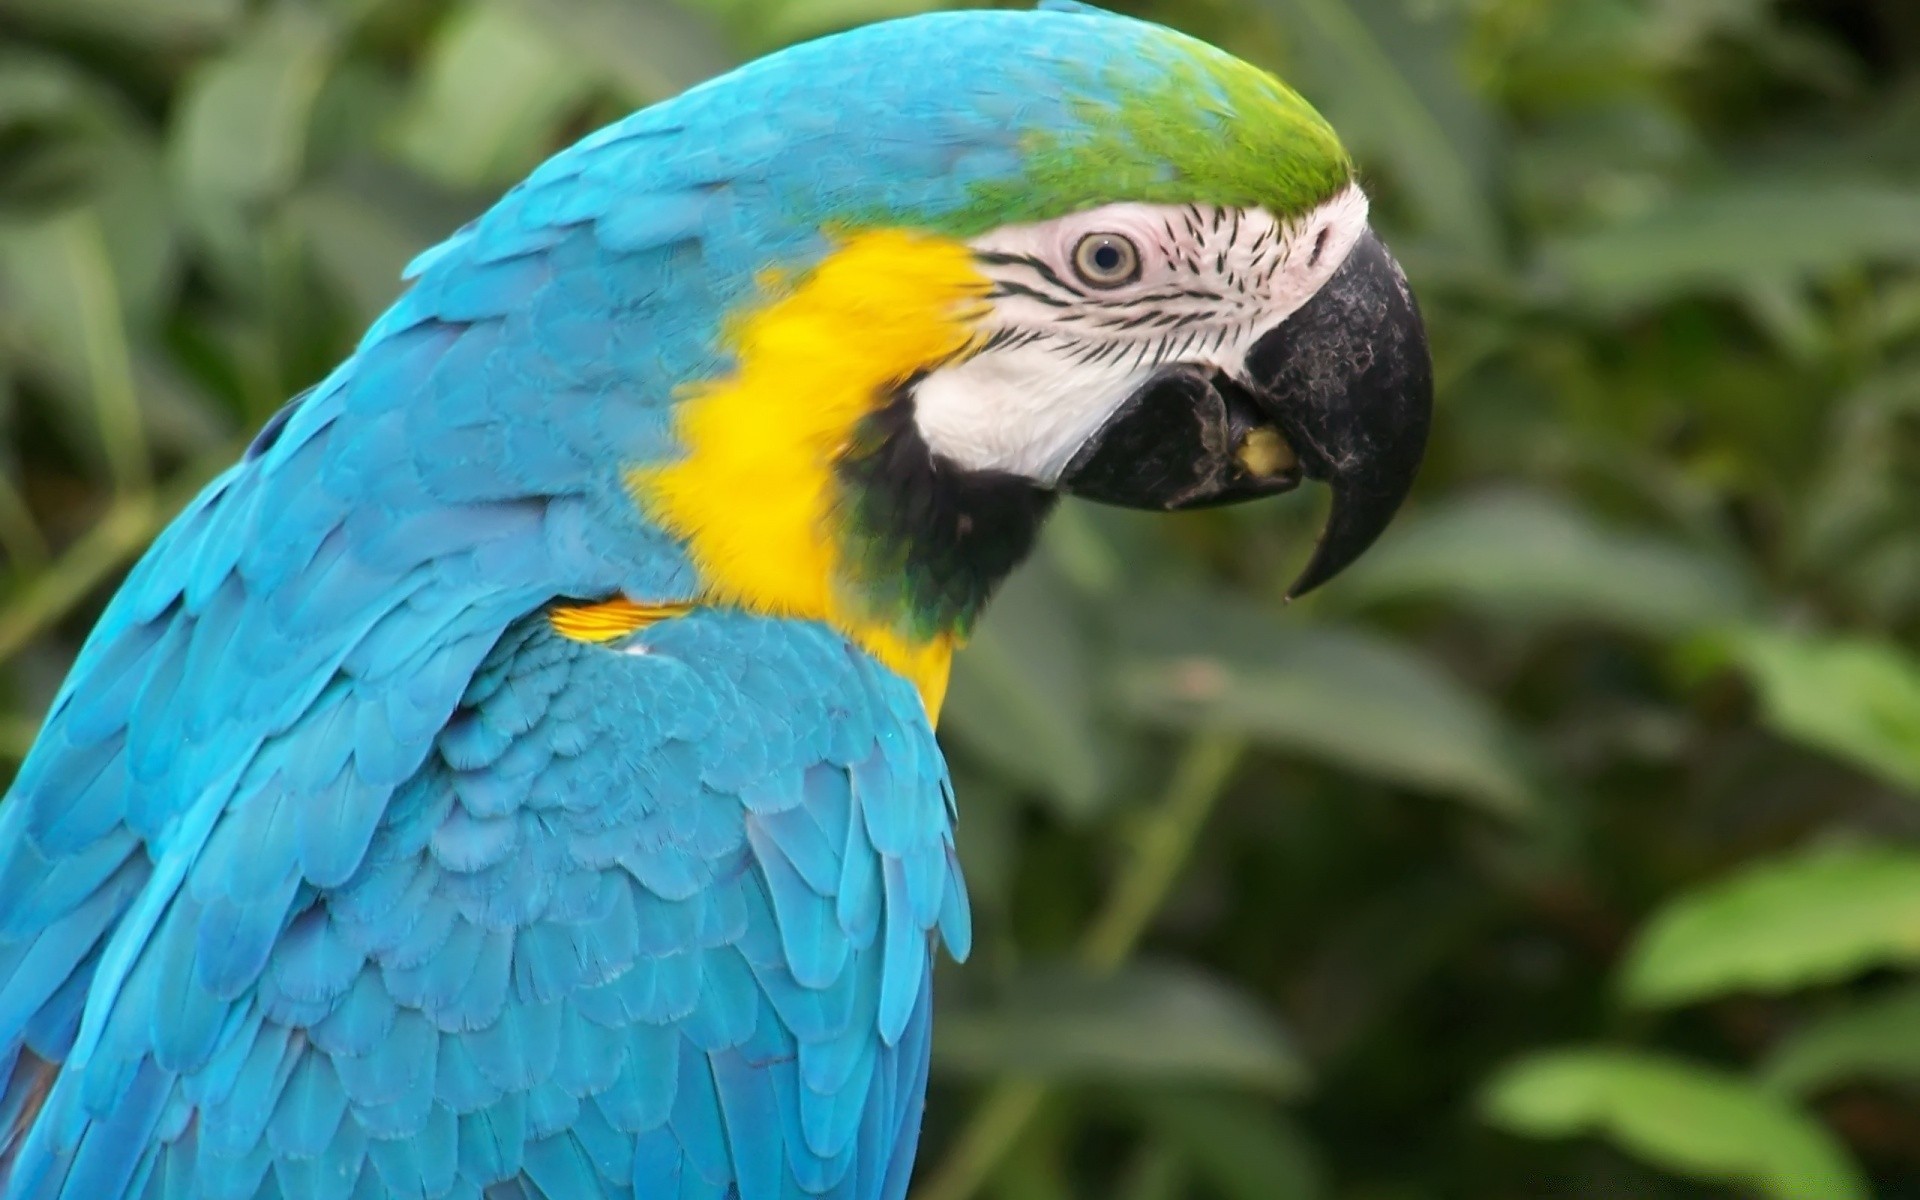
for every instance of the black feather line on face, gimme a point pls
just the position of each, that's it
(1136, 321)
(1007, 287)
(1211, 288)
(931, 540)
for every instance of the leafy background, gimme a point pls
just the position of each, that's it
(1566, 848)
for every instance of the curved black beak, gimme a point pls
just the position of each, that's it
(1349, 381)
(1340, 392)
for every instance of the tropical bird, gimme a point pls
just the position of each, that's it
(515, 778)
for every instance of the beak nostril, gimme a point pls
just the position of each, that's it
(1319, 247)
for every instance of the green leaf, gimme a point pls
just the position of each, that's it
(1821, 916)
(646, 49)
(60, 277)
(496, 88)
(1856, 698)
(240, 134)
(1153, 1172)
(1144, 1023)
(157, 23)
(1688, 1119)
(765, 26)
(48, 133)
(67, 141)
(359, 248)
(1746, 231)
(16, 736)
(365, 222)
(1022, 693)
(1073, 544)
(139, 228)
(1534, 556)
(1384, 76)
(1877, 1039)
(1242, 1147)
(988, 841)
(23, 547)
(1360, 701)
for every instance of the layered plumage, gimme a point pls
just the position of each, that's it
(338, 872)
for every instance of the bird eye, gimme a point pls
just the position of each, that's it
(1106, 260)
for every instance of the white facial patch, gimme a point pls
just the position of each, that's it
(1062, 353)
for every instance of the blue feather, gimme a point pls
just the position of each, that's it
(492, 1142)
(421, 1165)
(550, 1109)
(696, 1121)
(816, 947)
(185, 1022)
(521, 1048)
(360, 1021)
(857, 904)
(405, 1062)
(459, 1083)
(724, 1017)
(905, 957)
(642, 1094)
(310, 1110)
(558, 1166)
(54, 954)
(249, 1103)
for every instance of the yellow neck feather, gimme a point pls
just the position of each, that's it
(753, 495)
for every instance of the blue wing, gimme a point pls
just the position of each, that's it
(649, 920)
(266, 723)
(271, 691)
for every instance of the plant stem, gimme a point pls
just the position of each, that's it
(129, 523)
(1160, 850)
(126, 525)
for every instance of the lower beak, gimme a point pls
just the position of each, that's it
(1340, 392)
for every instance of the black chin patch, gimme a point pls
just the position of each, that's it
(1179, 442)
(931, 539)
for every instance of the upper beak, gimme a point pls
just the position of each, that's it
(1341, 392)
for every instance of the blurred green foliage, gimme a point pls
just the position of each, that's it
(1567, 847)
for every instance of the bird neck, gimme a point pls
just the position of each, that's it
(929, 539)
(803, 489)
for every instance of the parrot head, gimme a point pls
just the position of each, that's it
(908, 284)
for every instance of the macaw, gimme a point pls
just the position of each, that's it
(515, 778)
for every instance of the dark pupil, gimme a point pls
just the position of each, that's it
(1106, 256)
